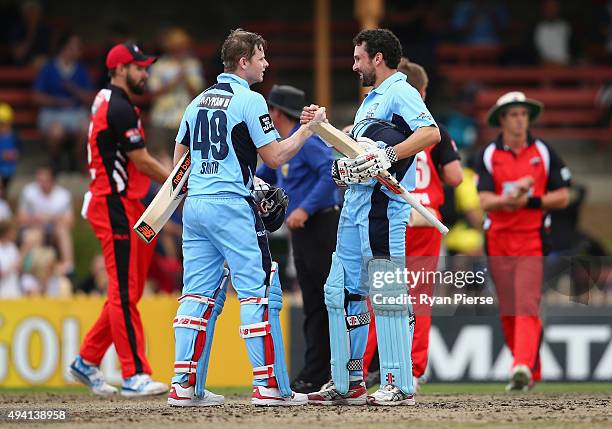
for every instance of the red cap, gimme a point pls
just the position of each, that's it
(126, 53)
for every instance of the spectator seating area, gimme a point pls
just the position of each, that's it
(569, 94)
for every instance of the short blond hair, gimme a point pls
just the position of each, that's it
(417, 76)
(239, 44)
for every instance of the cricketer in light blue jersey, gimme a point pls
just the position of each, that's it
(371, 232)
(225, 128)
(238, 123)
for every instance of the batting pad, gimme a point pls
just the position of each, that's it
(338, 335)
(194, 327)
(392, 310)
(202, 368)
(275, 304)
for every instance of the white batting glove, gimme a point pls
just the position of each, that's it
(371, 163)
(341, 175)
(368, 144)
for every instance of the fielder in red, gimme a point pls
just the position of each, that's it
(436, 165)
(519, 179)
(120, 168)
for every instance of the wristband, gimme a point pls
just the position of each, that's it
(534, 202)
(391, 154)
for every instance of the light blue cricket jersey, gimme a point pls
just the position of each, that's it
(223, 127)
(396, 101)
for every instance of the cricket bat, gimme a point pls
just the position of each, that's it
(165, 202)
(349, 147)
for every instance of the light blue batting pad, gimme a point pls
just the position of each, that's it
(389, 300)
(275, 304)
(338, 336)
(202, 368)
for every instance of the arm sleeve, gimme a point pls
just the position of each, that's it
(412, 109)
(445, 152)
(123, 120)
(184, 133)
(266, 174)
(319, 158)
(559, 175)
(485, 179)
(259, 123)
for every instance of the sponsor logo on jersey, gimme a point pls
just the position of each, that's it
(133, 135)
(215, 101)
(425, 116)
(266, 123)
(535, 160)
(371, 110)
(566, 174)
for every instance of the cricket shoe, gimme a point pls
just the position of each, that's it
(390, 395)
(328, 395)
(142, 385)
(520, 380)
(185, 397)
(271, 397)
(91, 376)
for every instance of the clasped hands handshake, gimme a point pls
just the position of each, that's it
(378, 156)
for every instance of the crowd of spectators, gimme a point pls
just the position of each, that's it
(36, 241)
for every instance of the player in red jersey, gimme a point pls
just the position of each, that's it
(120, 167)
(436, 165)
(519, 178)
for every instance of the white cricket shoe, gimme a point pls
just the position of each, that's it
(185, 397)
(390, 395)
(271, 397)
(520, 380)
(142, 385)
(328, 395)
(91, 376)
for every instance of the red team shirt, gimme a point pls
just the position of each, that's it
(115, 129)
(498, 167)
(429, 190)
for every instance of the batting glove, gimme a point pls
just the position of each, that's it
(341, 174)
(368, 144)
(371, 163)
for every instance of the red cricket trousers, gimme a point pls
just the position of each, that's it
(127, 260)
(422, 253)
(516, 264)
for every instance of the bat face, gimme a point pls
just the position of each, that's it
(340, 141)
(165, 202)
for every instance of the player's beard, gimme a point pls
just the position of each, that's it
(368, 77)
(137, 87)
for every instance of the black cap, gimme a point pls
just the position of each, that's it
(288, 99)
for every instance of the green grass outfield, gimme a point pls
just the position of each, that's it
(426, 389)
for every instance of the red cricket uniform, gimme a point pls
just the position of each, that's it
(117, 187)
(514, 241)
(422, 247)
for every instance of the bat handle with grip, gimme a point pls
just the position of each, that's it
(425, 213)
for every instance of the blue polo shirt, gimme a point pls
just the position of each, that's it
(306, 178)
(50, 81)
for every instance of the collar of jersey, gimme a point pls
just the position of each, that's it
(395, 77)
(230, 77)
